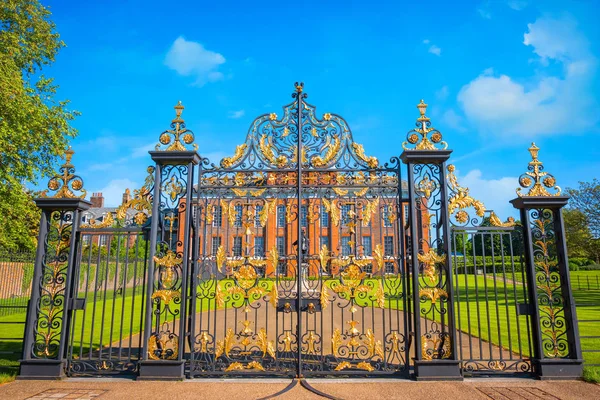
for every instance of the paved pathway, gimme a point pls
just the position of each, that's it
(105, 389)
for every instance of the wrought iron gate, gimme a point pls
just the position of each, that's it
(301, 256)
(298, 277)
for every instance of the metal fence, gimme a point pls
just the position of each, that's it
(16, 272)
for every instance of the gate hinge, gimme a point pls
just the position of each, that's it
(524, 309)
(77, 304)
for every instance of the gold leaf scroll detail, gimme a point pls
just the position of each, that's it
(462, 199)
(210, 216)
(495, 220)
(430, 259)
(219, 296)
(333, 146)
(265, 345)
(274, 256)
(265, 146)
(106, 222)
(336, 342)
(332, 210)
(63, 184)
(378, 256)
(365, 365)
(274, 295)
(369, 209)
(239, 192)
(541, 179)
(340, 191)
(438, 353)
(221, 258)
(380, 296)
(433, 294)
(225, 345)
(372, 162)
(324, 257)
(263, 215)
(161, 342)
(234, 366)
(166, 295)
(343, 365)
(374, 346)
(227, 162)
(324, 296)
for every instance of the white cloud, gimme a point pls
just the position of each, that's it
(236, 114)
(100, 167)
(454, 121)
(501, 105)
(517, 5)
(113, 191)
(433, 49)
(189, 58)
(484, 12)
(494, 193)
(142, 151)
(442, 94)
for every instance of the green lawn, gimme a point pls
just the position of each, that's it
(120, 316)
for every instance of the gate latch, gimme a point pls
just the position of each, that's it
(77, 304)
(524, 309)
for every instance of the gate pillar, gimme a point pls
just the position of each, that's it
(51, 301)
(168, 265)
(430, 272)
(557, 349)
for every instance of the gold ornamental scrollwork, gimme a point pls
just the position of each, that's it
(536, 180)
(163, 346)
(176, 138)
(66, 183)
(436, 345)
(372, 162)
(228, 162)
(106, 222)
(424, 136)
(141, 201)
(460, 201)
(333, 146)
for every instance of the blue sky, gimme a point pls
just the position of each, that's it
(496, 75)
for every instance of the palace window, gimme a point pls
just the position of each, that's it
(324, 217)
(324, 241)
(388, 245)
(346, 249)
(259, 246)
(386, 216)
(216, 242)
(280, 216)
(346, 213)
(238, 216)
(257, 216)
(217, 216)
(237, 246)
(281, 245)
(367, 246)
(303, 216)
(389, 268)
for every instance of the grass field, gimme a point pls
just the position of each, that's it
(120, 316)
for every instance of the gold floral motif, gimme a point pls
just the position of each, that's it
(239, 192)
(324, 257)
(434, 294)
(220, 258)
(434, 342)
(324, 297)
(461, 199)
(333, 145)
(166, 295)
(536, 179)
(343, 365)
(366, 366)
(426, 186)
(228, 162)
(429, 260)
(181, 136)
(161, 343)
(336, 342)
(374, 346)
(495, 221)
(235, 366)
(107, 222)
(274, 295)
(204, 339)
(255, 365)
(423, 130)
(380, 295)
(311, 339)
(225, 345)
(67, 181)
(369, 210)
(327, 116)
(340, 191)
(372, 162)
(332, 210)
(378, 255)
(361, 192)
(265, 146)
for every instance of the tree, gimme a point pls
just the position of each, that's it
(577, 232)
(587, 200)
(34, 125)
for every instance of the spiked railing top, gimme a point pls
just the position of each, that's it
(536, 181)
(65, 182)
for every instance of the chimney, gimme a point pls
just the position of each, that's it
(126, 196)
(97, 200)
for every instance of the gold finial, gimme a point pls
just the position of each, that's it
(299, 88)
(178, 136)
(536, 180)
(66, 182)
(424, 137)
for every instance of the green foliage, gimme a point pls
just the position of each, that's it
(586, 199)
(581, 245)
(591, 374)
(34, 125)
